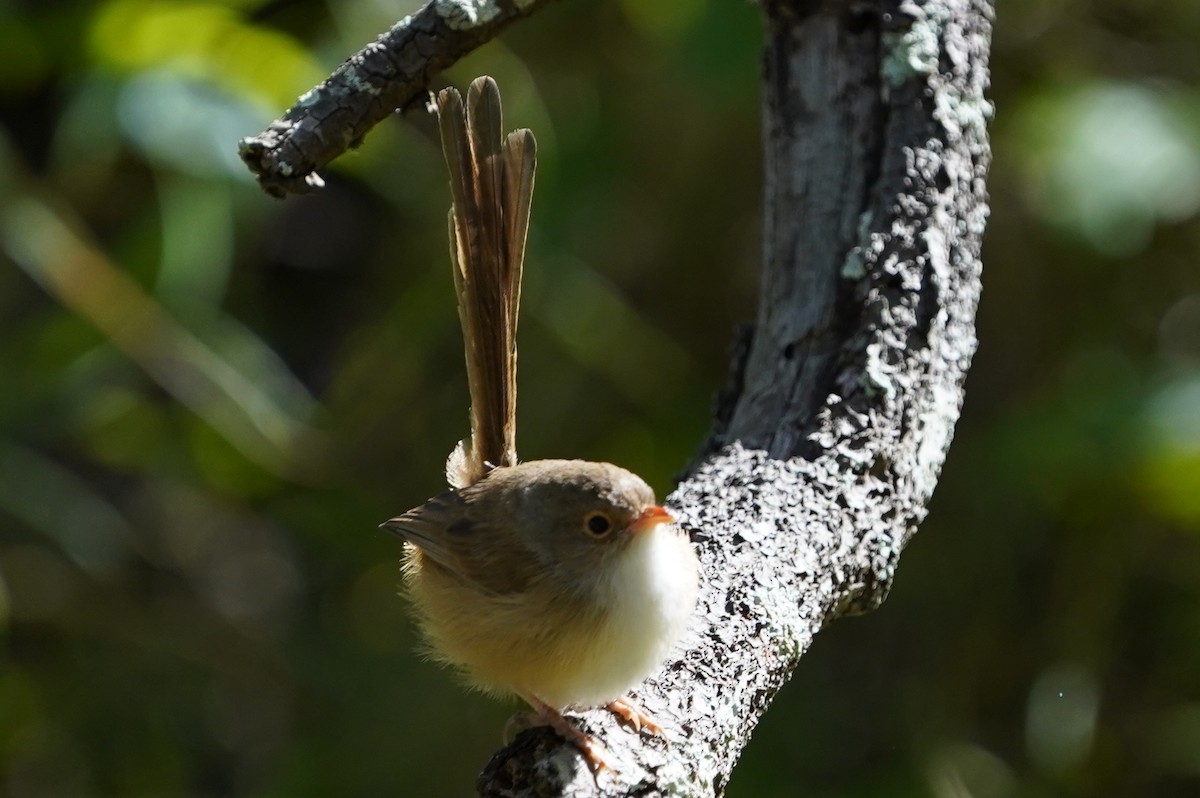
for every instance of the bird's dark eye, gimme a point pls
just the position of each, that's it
(598, 524)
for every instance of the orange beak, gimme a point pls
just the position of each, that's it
(650, 518)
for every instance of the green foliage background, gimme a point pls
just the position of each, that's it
(209, 399)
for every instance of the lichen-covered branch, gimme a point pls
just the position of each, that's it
(837, 420)
(391, 73)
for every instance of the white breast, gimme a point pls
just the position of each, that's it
(652, 596)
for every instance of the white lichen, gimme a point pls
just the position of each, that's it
(877, 378)
(962, 114)
(466, 14)
(937, 427)
(913, 52)
(357, 83)
(854, 267)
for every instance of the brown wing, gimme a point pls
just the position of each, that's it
(446, 530)
(491, 181)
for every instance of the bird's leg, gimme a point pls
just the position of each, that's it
(545, 715)
(633, 715)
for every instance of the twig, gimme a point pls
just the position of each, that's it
(391, 73)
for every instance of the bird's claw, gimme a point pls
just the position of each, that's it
(633, 715)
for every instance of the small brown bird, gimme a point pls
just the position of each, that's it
(560, 581)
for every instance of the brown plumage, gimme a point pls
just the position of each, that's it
(555, 579)
(491, 181)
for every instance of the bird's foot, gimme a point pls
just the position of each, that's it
(633, 715)
(593, 750)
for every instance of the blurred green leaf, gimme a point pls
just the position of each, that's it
(1170, 468)
(1109, 161)
(212, 41)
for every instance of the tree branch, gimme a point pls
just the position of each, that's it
(391, 73)
(833, 431)
(834, 426)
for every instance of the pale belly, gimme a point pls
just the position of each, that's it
(564, 652)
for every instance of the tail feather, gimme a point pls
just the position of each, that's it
(491, 183)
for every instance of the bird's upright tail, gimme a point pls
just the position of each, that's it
(491, 182)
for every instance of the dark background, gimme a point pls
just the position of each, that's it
(209, 399)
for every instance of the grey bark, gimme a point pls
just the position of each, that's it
(842, 403)
(837, 419)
